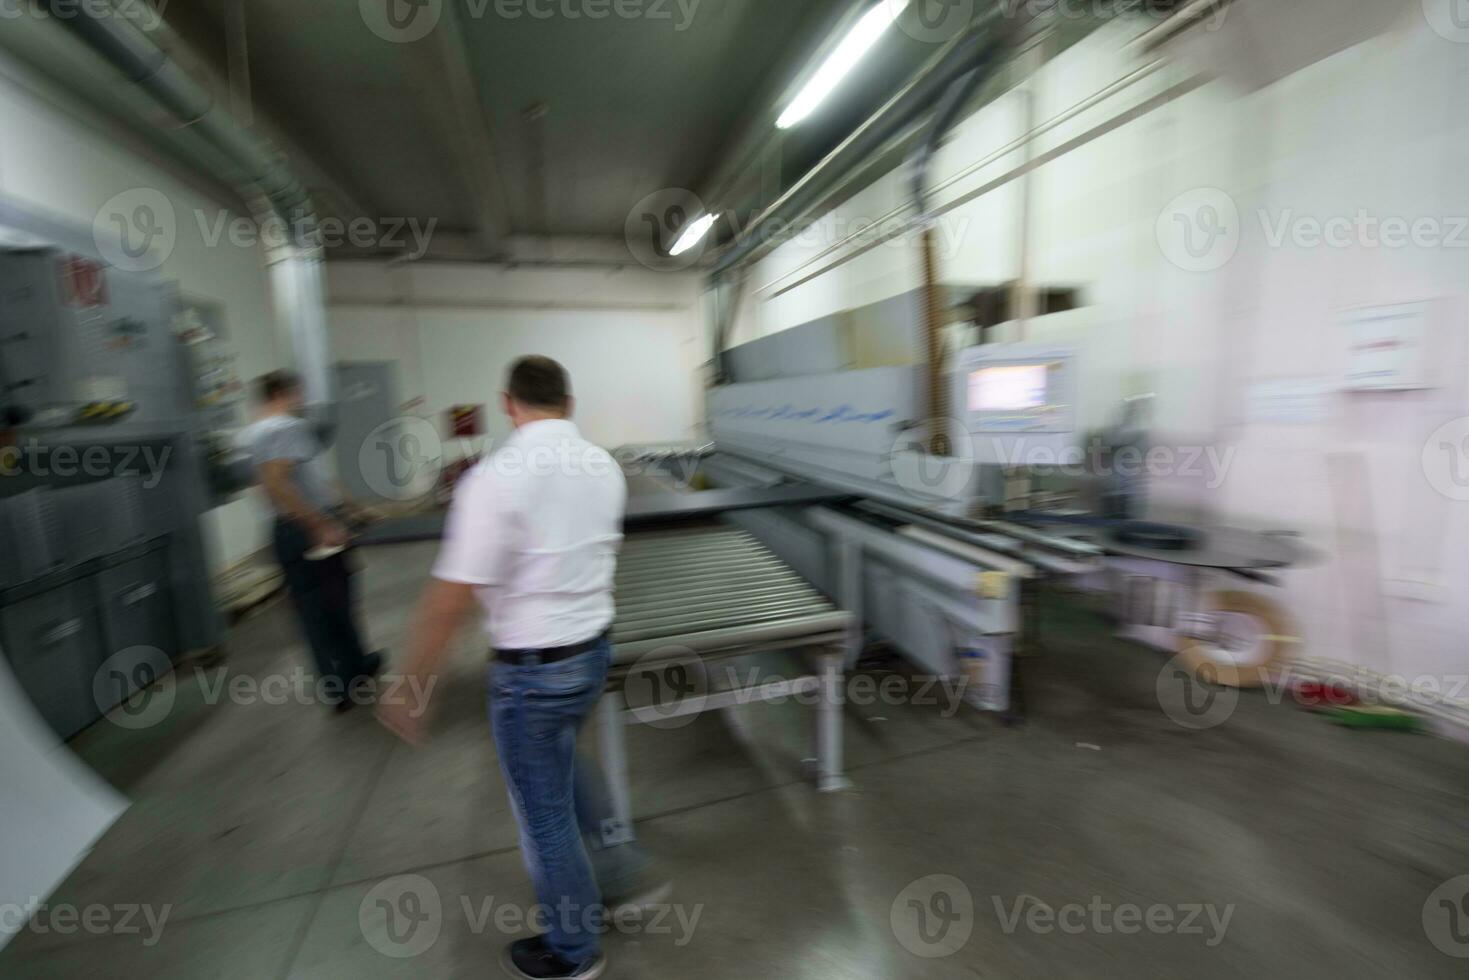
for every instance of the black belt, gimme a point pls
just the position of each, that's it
(551, 655)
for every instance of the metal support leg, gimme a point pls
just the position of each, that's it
(829, 776)
(849, 595)
(611, 711)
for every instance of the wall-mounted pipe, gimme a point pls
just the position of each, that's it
(149, 67)
(261, 171)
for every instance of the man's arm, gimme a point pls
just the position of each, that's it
(289, 502)
(441, 611)
(473, 556)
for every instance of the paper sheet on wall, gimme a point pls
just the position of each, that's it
(1290, 401)
(1386, 347)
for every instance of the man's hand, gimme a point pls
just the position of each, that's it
(401, 712)
(329, 534)
(403, 708)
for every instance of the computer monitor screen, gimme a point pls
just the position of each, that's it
(1009, 388)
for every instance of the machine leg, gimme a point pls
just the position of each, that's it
(829, 776)
(614, 766)
(849, 595)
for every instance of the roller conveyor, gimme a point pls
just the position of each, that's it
(695, 594)
(709, 589)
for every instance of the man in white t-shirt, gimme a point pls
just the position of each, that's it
(533, 536)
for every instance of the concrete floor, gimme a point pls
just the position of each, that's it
(268, 828)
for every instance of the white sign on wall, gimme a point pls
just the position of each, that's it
(1386, 347)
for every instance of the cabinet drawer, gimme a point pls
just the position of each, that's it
(137, 615)
(54, 642)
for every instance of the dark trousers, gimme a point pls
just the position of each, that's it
(322, 594)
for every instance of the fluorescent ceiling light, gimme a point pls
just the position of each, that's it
(852, 49)
(693, 236)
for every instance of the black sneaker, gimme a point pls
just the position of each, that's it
(373, 664)
(533, 959)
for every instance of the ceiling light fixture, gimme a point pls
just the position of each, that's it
(854, 46)
(694, 235)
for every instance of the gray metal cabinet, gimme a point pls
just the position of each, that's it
(137, 625)
(52, 641)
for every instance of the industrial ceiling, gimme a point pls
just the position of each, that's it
(522, 121)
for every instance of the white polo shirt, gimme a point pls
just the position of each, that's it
(537, 526)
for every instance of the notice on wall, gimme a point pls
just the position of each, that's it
(1386, 347)
(1303, 400)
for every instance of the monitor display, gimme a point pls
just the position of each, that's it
(1009, 388)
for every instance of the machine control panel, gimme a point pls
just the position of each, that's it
(1018, 389)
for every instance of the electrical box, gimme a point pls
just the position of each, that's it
(74, 331)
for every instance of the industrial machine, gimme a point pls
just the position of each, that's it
(934, 551)
(817, 519)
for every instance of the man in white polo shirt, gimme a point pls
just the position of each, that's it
(533, 535)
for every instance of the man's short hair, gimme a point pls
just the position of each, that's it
(539, 382)
(269, 387)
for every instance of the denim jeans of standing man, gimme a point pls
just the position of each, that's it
(559, 800)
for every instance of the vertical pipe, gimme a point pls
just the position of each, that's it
(935, 310)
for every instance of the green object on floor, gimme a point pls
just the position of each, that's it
(1392, 719)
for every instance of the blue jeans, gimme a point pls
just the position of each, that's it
(535, 712)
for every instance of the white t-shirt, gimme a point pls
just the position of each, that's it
(537, 526)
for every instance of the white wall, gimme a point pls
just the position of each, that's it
(58, 158)
(1377, 125)
(632, 340)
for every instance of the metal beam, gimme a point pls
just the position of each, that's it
(449, 94)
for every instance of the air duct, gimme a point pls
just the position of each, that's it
(261, 174)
